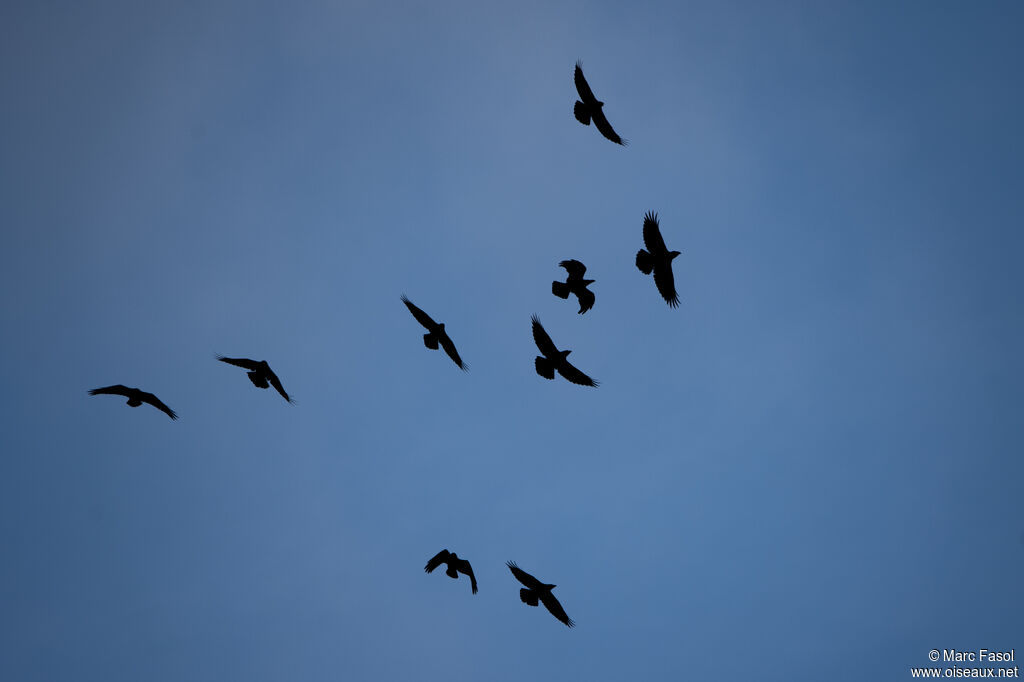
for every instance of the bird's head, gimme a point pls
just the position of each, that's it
(550, 587)
(588, 281)
(565, 353)
(600, 104)
(441, 326)
(673, 254)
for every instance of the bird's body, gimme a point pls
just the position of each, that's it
(658, 259)
(436, 335)
(135, 397)
(555, 360)
(588, 108)
(575, 284)
(259, 373)
(537, 592)
(455, 566)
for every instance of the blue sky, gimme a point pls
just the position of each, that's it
(811, 468)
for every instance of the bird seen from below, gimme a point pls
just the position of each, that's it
(554, 360)
(135, 397)
(575, 284)
(536, 591)
(259, 373)
(435, 334)
(658, 259)
(588, 107)
(455, 566)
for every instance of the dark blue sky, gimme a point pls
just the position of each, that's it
(810, 469)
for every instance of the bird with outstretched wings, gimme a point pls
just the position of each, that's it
(135, 397)
(575, 284)
(658, 259)
(435, 334)
(455, 564)
(259, 373)
(536, 591)
(554, 360)
(589, 108)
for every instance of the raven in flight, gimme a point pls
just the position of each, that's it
(555, 360)
(455, 566)
(575, 284)
(658, 259)
(435, 334)
(588, 107)
(135, 397)
(259, 373)
(537, 591)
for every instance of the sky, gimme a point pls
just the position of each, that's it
(811, 469)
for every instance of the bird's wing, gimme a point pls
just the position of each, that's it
(555, 608)
(116, 389)
(245, 363)
(524, 577)
(574, 375)
(586, 297)
(276, 383)
(543, 341)
(156, 402)
(420, 316)
(605, 128)
(574, 267)
(652, 234)
(438, 559)
(466, 569)
(666, 284)
(586, 94)
(449, 348)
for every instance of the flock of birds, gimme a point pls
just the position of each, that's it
(655, 259)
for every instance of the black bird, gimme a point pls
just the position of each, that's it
(589, 107)
(435, 334)
(575, 284)
(537, 591)
(455, 566)
(658, 258)
(555, 360)
(135, 397)
(259, 373)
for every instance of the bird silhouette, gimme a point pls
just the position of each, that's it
(658, 258)
(435, 334)
(259, 373)
(536, 591)
(455, 566)
(588, 107)
(575, 284)
(135, 397)
(554, 360)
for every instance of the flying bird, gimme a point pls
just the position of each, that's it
(259, 373)
(658, 258)
(554, 360)
(135, 397)
(575, 284)
(455, 566)
(536, 591)
(588, 107)
(435, 334)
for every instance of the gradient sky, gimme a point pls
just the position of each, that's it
(811, 470)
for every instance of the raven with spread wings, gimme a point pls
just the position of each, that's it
(455, 566)
(259, 373)
(435, 334)
(575, 284)
(536, 591)
(554, 360)
(658, 259)
(588, 107)
(135, 397)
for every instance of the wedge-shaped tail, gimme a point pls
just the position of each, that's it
(545, 367)
(581, 112)
(644, 262)
(560, 289)
(430, 341)
(529, 597)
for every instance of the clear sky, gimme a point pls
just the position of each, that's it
(809, 470)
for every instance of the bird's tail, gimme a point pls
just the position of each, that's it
(545, 367)
(644, 262)
(528, 596)
(257, 379)
(430, 341)
(451, 572)
(560, 289)
(581, 113)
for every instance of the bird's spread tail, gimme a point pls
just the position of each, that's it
(545, 367)
(560, 289)
(644, 262)
(581, 113)
(430, 341)
(528, 596)
(257, 379)
(451, 572)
